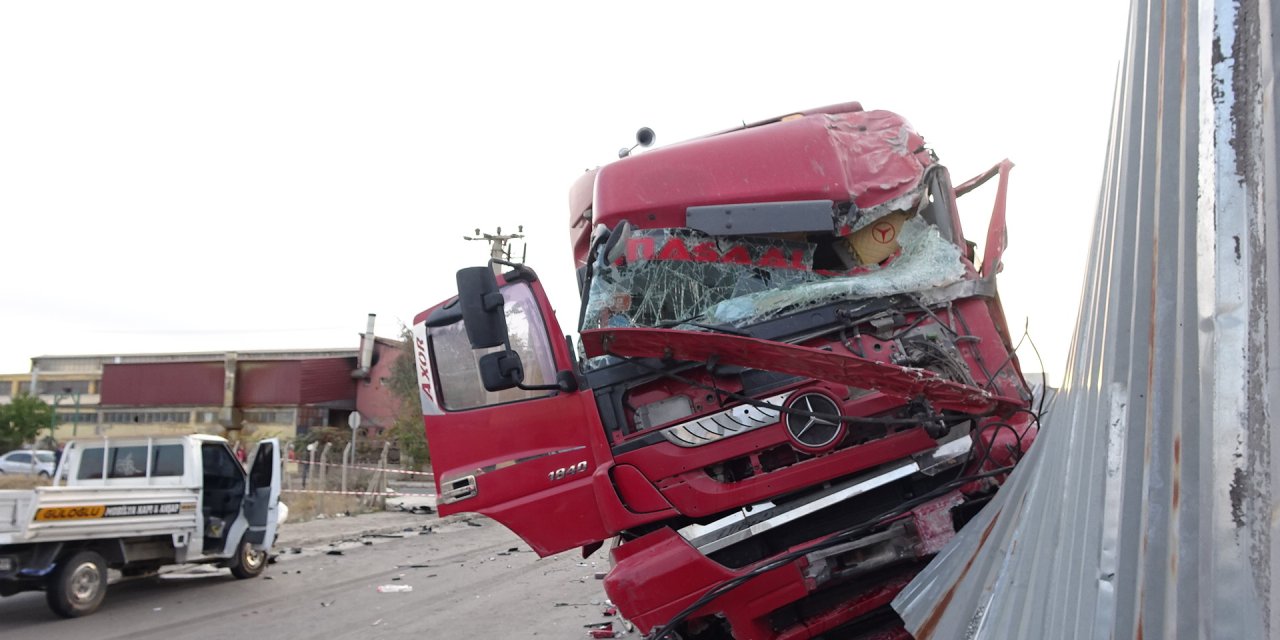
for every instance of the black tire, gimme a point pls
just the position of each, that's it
(248, 562)
(77, 585)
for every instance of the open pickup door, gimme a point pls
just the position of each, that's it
(522, 455)
(262, 494)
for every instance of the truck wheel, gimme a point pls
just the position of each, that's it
(77, 585)
(248, 562)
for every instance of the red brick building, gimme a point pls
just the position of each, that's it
(283, 393)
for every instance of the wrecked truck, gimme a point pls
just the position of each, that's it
(793, 381)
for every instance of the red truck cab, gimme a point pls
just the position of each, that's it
(795, 381)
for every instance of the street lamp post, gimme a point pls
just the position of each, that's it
(53, 415)
(75, 421)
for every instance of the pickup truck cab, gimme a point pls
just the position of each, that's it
(136, 505)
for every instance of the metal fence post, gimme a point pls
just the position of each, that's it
(311, 465)
(382, 473)
(346, 462)
(284, 465)
(324, 463)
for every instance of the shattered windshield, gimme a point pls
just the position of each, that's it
(674, 277)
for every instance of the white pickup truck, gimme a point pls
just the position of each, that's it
(135, 505)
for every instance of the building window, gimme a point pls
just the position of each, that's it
(269, 416)
(313, 417)
(51, 387)
(71, 417)
(146, 417)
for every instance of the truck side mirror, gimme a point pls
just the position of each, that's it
(481, 304)
(501, 370)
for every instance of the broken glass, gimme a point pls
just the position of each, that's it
(683, 278)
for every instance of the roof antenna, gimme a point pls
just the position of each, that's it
(644, 138)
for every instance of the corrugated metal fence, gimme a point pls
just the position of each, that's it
(1146, 507)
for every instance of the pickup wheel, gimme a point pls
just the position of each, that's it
(248, 562)
(77, 585)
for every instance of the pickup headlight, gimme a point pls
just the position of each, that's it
(8, 564)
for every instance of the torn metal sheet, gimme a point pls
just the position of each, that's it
(1147, 507)
(832, 366)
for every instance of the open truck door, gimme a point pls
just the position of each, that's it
(262, 495)
(511, 435)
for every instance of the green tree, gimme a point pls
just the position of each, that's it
(21, 420)
(408, 430)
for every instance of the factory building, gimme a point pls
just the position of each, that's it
(278, 393)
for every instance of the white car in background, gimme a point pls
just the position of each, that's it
(24, 461)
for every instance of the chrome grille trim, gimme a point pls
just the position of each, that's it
(730, 422)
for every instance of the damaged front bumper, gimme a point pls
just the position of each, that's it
(659, 575)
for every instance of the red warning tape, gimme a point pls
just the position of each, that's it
(301, 462)
(388, 494)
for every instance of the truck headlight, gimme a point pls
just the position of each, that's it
(7, 564)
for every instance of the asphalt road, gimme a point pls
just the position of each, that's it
(466, 584)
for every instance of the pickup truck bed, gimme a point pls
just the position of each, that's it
(57, 514)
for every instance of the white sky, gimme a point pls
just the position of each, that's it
(259, 175)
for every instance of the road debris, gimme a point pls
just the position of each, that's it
(395, 588)
(418, 509)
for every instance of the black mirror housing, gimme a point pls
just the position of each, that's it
(482, 311)
(501, 370)
(446, 315)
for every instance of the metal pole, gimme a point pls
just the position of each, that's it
(75, 424)
(324, 462)
(498, 244)
(346, 462)
(376, 480)
(311, 464)
(53, 415)
(284, 465)
(382, 471)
